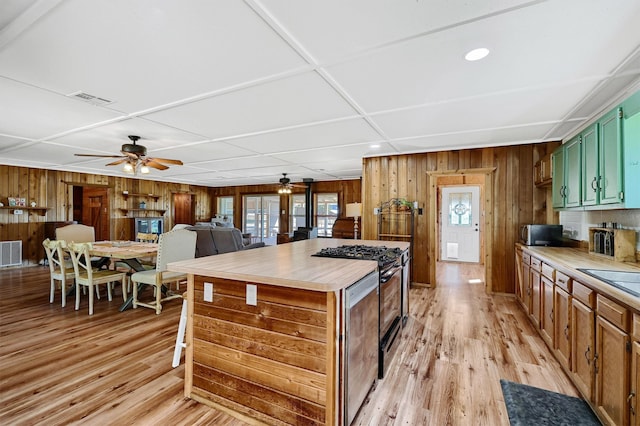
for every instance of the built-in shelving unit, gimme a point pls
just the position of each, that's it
(396, 222)
(136, 210)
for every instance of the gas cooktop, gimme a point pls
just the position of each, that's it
(384, 255)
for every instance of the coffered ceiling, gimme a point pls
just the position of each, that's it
(242, 91)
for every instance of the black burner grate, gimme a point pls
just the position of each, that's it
(384, 255)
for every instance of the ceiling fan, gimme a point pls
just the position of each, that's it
(286, 185)
(135, 157)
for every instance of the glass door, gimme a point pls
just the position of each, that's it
(261, 217)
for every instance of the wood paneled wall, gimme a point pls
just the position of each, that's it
(349, 191)
(516, 200)
(53, 190)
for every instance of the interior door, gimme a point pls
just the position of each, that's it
(184, 209)
(460, 223)
(95, 211)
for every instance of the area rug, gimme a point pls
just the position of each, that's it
(527, 405)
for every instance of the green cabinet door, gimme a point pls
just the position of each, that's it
(610, 178)
(572, 175)
(590, 166)
(557, 184)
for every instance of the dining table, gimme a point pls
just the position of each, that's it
(128, 252)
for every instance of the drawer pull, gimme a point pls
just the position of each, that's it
(586, 355)
(566, 332)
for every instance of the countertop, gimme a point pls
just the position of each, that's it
(567, 260)
(288, 265)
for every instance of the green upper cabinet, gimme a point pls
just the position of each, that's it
(601, 165)
(557, 185)
(590, 166)
(610, 178)
(572, 172)
(566, 165)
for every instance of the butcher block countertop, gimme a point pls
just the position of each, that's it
(568, 260)
(288, 265)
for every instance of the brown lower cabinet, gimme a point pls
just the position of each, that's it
(562, 327)
(635, 372)
(595, 339)
(613, 350)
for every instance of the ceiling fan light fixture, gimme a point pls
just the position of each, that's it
(128, 168)
(144, 170)
(476, 54)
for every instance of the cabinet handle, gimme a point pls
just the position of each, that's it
(595, 363)
(586, 355)
(566, 332)
(594, 184)
(631, 395)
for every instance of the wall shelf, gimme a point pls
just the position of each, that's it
(133, 194)
(126, 210)
(42, 211)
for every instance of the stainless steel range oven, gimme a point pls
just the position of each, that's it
(390, 293)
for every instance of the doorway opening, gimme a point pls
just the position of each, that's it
(436, 181)
(184, 209)
(261, 217)
(91, 208)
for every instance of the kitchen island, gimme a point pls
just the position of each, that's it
(264, 331)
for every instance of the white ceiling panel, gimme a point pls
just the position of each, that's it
(473, 139)
(286, 102)
(127, 51)
(109, 138)
(333, 29)
(326, 134)
(504, 110)
(30, 112)
(208, 151)
(404, 76)
(329, 154)
(242, 91)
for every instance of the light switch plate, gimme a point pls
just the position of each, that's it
(208, 292)
(252, 294)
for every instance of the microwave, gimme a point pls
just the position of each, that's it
(541, 235)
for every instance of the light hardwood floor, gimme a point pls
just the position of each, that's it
(60, 366)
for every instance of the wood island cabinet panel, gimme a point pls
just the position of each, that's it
(272, 357)
(612, 372)
(562, 326)
(582, 347)
(526, 277)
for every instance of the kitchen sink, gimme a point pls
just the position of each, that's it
(624, 280)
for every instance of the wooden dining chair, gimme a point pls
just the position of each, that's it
(173, 246)
(60, 268)
(86, 276)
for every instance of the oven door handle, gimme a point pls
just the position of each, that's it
(390, 273)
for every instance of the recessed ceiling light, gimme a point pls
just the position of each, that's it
(374, 145)
(476, 54)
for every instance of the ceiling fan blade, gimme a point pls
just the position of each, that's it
(95, 155)
(166, 160)
(155, 165)
(115, 163)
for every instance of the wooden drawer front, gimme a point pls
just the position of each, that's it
(526, 258)
(563, 281)
(548, 271)
(583, 294)
(536, 263)
(636, 326)
(616, 314)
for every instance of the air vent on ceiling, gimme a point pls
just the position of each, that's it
(94, 100)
